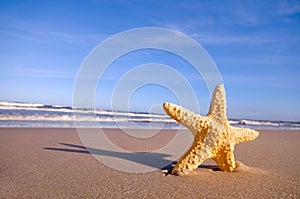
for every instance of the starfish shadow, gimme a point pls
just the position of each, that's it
(152, 159)
(211, 167)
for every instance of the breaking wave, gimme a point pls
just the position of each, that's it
(16, 114)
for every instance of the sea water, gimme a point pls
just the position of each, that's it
(16, 114)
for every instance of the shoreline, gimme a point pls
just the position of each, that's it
(265, 129)
(29, 170)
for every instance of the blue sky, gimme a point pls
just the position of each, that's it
(255, 45)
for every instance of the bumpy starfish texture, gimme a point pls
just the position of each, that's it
(213, 136)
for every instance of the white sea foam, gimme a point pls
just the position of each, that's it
(15, 114)
(19, 113)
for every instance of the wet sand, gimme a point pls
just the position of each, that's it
(53, 163)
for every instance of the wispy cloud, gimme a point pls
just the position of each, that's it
(17, 71)
(50, 37)
(264, 80)
(20, 29)
(290, 7)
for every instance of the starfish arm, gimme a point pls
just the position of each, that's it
(192, 158)
(217, 108)
(225, 158)
(187, 118)
(243, 134)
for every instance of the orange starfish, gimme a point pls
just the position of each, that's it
(213, 136)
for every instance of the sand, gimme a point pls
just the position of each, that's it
(53, 163)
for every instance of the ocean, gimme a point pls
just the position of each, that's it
(26, 115)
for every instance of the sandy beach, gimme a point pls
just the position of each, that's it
(53, 163)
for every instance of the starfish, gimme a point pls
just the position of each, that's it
(213, 136)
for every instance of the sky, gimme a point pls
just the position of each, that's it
(254, 44)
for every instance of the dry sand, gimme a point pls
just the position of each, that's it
(53, 163)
